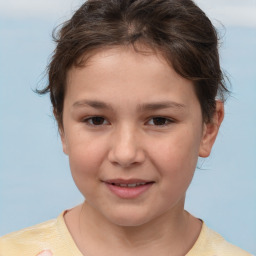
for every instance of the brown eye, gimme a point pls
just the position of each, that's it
(159, 121)
(96, 120)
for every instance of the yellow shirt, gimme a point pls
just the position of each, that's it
(52, 238)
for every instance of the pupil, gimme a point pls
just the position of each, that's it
(98, 120)
(159, 120)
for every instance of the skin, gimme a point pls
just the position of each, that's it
(128, 90)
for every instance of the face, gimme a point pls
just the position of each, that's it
(133, 131)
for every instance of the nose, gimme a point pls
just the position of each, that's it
(126, 149)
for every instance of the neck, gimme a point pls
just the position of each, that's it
(172, 233)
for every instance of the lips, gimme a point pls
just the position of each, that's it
(132, 185)
(128, 189)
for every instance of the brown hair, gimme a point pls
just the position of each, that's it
(178, 29)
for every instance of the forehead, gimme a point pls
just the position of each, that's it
(119, 56)
(122, 72)
(152, 59)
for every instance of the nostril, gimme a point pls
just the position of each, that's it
(124, 150)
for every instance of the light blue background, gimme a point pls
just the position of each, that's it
(35, 182)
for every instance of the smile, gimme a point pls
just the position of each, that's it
(130, 185)
(128, 189)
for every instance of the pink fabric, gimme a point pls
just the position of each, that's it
(45, 253)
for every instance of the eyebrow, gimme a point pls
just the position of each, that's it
(92, 103)
(161, 105)
(142, 107)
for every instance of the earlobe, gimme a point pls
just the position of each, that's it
(210, 130)
(63, 141)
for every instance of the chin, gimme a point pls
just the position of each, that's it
(128, 222)
(129, 218)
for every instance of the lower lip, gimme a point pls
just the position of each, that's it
(128, 192)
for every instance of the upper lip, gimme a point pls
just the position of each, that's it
(127, 181)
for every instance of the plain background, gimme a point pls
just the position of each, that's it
(35, 181)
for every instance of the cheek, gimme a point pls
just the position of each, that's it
(176, 156)
(176, 163)
(85, 150)
(85, 158)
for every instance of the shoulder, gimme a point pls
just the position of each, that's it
(46, 239)
(210, 243)
(29, 240)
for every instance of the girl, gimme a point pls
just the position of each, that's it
(137, 92)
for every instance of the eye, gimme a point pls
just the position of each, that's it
(160, 121)
(96, 121)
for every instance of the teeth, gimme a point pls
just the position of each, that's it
(130, 185)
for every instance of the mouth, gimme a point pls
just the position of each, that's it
(128, 189)
(130, 185)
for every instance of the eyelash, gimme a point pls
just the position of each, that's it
(87, 120)
(167, 121)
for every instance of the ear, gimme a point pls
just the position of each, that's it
(210, 130)
(63, 141)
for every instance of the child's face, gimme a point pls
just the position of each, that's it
(130, 118)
